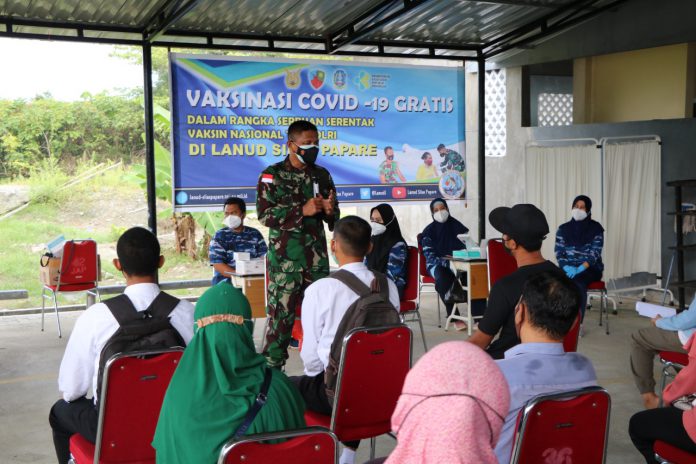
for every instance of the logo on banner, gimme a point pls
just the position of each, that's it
(292, 78)
(452, 184)
(340, 79)
(399, 192)
(181, 198)
(365, 193)
(363, 80)
(317, 80)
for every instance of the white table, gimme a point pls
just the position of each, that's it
(476, 287)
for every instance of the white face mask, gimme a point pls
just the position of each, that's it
(377, 228)
(578, 214)
(441, 216)
(232, 221)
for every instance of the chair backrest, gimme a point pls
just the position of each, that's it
(78, 265)
(311, 445)
(373, 367)
(500, 262)
(422, 265)
(571, 426)
(412, 273)
(570, 341)
(131, 398)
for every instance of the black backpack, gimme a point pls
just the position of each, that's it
(371, 309)
(139, 330)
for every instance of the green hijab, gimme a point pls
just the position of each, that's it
(216, 382)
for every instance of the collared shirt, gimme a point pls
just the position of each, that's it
(683, 323)
(226, 242)
(533, 369)
(80, 366)
(324, 304)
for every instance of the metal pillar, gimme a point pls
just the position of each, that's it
(482, 145)
(149, 139)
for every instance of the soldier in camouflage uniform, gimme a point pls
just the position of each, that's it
(453, 160)
(234, 237)
(294, 198)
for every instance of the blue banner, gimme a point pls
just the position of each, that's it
(387, 133)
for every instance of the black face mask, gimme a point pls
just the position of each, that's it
(308, 154)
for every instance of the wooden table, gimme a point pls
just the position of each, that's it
(476, 287)
(254, 288)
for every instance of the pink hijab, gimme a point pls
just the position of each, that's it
(451, 408)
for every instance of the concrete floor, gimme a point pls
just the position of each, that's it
(29, 361)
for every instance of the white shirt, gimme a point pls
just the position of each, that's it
(80, 366)
(324, 304)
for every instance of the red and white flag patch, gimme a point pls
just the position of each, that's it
(267, 178)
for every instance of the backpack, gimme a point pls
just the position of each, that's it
(139, 330)
(371, 309)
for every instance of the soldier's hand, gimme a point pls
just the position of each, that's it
(312, 207)
(329, 204)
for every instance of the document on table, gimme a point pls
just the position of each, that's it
(652, 310)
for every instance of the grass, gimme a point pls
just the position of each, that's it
(100, 208)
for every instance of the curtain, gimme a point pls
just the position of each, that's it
(632, 205)
(555, 175)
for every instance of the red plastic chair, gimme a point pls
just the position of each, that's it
(500, 262)
(601, 288)
(313, 445)
(410, 302)
(672, 363)
(668, 454)
(371, 372)
(426, 280)
(571, 426)
(131, 398)
(570, 341)
(79, 272)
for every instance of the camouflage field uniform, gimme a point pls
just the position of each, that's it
(297, 254)
(389, 171)
(226, 242)
(453, 160)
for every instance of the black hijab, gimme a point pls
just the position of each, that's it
(382, 244)
(444, 235)
(579, 233)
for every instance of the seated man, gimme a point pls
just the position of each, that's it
(665, 334)
(325, 302)
(234, 237)
(524, 227)
(138, 259)
(549, 305)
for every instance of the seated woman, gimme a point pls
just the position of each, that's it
(217, 381)
(439, 239)
(445, 418)
(669, 424)
(579, 245)
(389, 251)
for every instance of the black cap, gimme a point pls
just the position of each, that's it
(524, 223)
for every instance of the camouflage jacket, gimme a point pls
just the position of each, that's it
(296, 243)
(453, 160)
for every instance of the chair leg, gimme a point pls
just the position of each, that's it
(373, 443)
(663, 381)
(439, 316)
(55, 306)
(420, 322)
(604, 307)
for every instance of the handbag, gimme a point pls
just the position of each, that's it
(685, 403)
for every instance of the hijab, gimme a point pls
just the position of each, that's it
(383, 243)
(579, 233)
(216, 382)
(444, 235)
(470, 404)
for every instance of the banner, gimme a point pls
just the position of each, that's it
(387, 133)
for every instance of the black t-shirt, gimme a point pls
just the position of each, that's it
(500, 312)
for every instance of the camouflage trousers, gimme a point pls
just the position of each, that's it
(285, 293)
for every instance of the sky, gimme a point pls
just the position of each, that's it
(65, 69)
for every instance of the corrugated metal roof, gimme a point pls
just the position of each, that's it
(416, 27)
